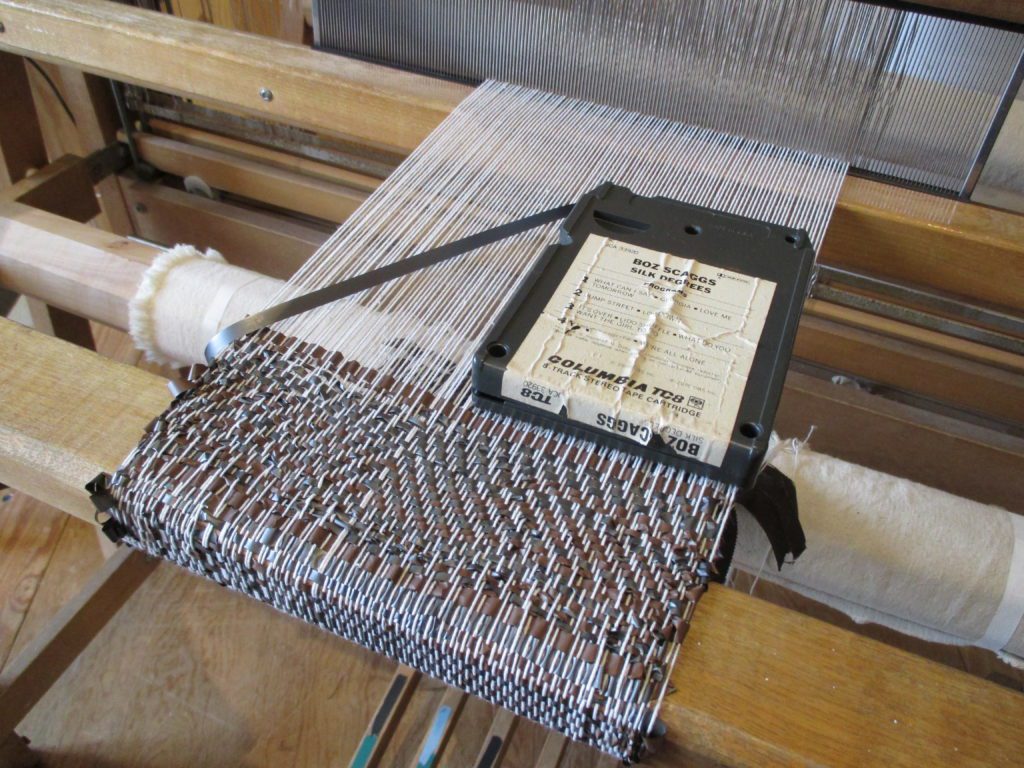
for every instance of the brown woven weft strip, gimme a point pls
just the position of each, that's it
(550, 577)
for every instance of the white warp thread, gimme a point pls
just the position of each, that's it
(507, 152)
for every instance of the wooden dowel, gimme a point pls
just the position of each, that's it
(70, 265)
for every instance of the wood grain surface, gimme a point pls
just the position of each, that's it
(29, 531)
(21, 144)
(964, 249)
(273, 185)
(34, 670)
(259, 240)
(230, 69)
(61, 414)
(77, 267)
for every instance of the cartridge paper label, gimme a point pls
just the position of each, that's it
(641, 343)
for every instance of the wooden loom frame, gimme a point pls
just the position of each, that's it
(50, 444)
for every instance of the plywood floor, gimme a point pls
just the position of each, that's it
(190, 674)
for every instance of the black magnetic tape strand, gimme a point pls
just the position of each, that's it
(318, 298)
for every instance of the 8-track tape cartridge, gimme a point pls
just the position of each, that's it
(657, 326)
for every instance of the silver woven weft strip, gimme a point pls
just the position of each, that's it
(336, 467)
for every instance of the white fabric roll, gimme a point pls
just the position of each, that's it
(185, 297)
(894, 552)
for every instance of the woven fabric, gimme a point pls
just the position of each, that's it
(550, 578)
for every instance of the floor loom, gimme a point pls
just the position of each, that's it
(53, 448)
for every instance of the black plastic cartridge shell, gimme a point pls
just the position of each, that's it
(755, 248)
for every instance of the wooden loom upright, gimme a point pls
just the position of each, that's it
(67, 414)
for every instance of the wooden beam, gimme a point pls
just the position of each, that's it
(257, 75)
(551, 751)
(292, 21)
(258, 240)
(381, 727)
(997, 10)
(276, 18)
(265, 155)
(492, 751)
(439, 730)
(798, 691)
(921, 337)
(259, 181)
(758, 685)
(968, 250)
(963, 249)
(31, 673)
(906, 366)
(72, 266)
(91, 102)
(50, 453)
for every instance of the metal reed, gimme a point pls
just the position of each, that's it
(890, 91)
